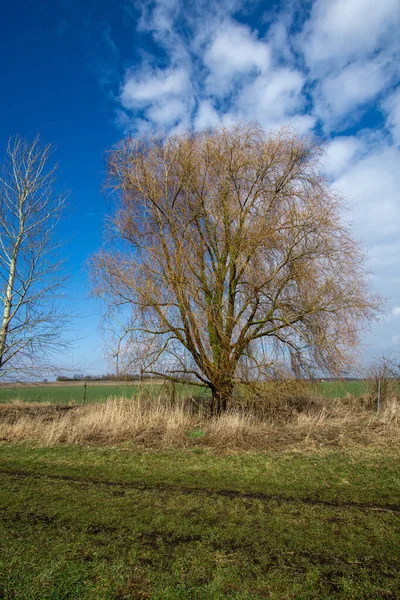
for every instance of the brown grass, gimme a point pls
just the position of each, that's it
(154, 423)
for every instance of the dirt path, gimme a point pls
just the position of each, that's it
(395, 508)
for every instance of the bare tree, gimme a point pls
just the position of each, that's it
(230, 258)
(30, 272)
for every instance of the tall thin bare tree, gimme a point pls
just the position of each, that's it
(231, 257)
(31, 319)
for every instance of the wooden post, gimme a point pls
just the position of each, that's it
(172, 392)
(379, 395)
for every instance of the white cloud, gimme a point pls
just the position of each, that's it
(168, 112)
(372, 186)
(337, 96)
(340, 154)
(275, 99)
(339, 31)
(206, 117)
(368, 178)
(234, 51)
(392, 108)
(350, 49)
(226, 69)
(396, 311)
(145, 88)
(164, 96)
(158, 16)
(279, 40)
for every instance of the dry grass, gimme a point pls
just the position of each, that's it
(116, 420)
(155, 423)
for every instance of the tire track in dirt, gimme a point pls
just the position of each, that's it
(199, 491)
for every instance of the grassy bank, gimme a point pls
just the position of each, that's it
(110, 523)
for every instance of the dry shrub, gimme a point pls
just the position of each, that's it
(155, 423)
(383, 382)
(277, 400)
(341, 424)
(334, 425)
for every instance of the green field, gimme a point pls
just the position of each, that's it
(97, 392)
(113, 524)
(339, 389)
(94, 392)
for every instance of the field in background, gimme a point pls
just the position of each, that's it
(104, 523)
(95, 392)
(98, 392)
(339, 389)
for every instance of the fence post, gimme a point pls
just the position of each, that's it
(84, 392)
(379, 395)
(172, 393)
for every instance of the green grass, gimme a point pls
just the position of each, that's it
(113, 523)
(339, 389)
(94, 392)
(63, 394)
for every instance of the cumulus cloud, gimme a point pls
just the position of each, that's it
(372, 185)
(340, 31)
(162, 95)
(256, 69)
(234, 51)
(338, 96)
(276, 99)
(206, 117)
(369, 180)
(349, 47)
(340, 154)
(145, 88)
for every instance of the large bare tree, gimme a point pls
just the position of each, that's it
(230, 257)
(31, 320)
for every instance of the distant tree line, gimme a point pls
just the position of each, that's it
(105, 377)
(182, 379)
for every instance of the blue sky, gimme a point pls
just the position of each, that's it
(84, 73)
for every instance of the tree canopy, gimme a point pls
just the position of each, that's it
(230, 258)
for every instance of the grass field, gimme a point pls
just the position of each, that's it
(95, 392)
(64, 394)
(113, 524)
(339, 389)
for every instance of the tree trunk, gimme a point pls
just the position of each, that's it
(221, 395)
(7, 301)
